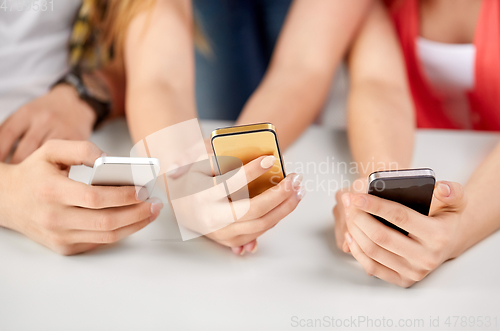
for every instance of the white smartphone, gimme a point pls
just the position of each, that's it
(125, 171)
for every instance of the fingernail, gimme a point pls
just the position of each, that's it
(172, 167)
(359, 201)
(242, 251)
(104, 154)
(301, 193)
(156, 205)
(348, 238)
(346, 200)
(255, 248)
(268, 161)
(444, 189)
(141, 194)
(297, 179)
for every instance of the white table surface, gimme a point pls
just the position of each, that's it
(154, 281)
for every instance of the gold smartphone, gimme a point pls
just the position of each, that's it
(246, 143)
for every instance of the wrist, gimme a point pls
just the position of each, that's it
(5, 189)
(69, 94)
(462, 237)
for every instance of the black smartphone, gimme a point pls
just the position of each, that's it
(411, 187)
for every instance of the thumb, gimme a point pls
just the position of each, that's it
(449, 196)
(70, 153)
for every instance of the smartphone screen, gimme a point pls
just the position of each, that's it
(412, 188)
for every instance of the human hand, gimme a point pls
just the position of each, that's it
(60, 114)
(40, 201)
(208, 210)
(358, 186)
(392, 256)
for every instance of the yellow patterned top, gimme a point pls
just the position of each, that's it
(85, 51)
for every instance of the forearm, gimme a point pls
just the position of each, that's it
(290, 100)
(155, 106)
(159, 61)
(314, 39)
(381, 127)
(482, 215)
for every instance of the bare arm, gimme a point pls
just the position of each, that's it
(381, 125)
(482, 214)
(314, 39)
(380, 112)
(159, 61)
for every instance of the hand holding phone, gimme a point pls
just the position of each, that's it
(412, 188)
(431, 240)
(246, 143)
(67, 216)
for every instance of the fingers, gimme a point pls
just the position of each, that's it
(395, 213)
(373, 268)
(384, 236)
(271, 198)
(451, 195)
(251, 247)
(29, 143)
(71, 193)
(68, 250)
(108, 237)
(10, 131)
(339, 216)
(239, 250)
(383, 256)
(269, 220)
(70, 152)
(240, 178)
(114, 218)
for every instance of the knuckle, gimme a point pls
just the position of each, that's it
(91, 198)
(406, 283)
(109, 237)
(44, 192)
(370, 268)
(48, 221)
(380, 237)
(370, 250)
(290, 205)
(105, 223)
(58, 241)
(283, 193)
(46, 117)
(86, 148)
(459, 190)
(430, 262)
(50, 145)
(65, 250)
(418, 275)
(399, 216)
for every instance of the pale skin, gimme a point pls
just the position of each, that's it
(160, 84)
(381, 125)
(38, 200)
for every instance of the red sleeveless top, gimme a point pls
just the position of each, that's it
(484, 98)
